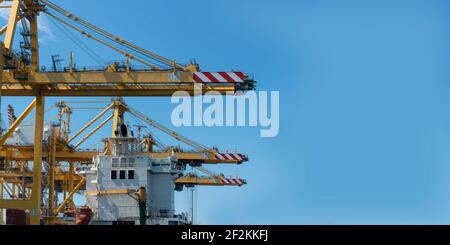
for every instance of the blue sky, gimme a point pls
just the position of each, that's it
(364, 95)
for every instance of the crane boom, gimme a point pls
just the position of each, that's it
(164, 77)
(191, 180)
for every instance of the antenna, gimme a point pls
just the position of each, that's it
(139, 128)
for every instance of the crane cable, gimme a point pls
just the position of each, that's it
(78, 26)
(111, 36)
(93, 55)
(155, 139)
(99, 40)
(168, 131)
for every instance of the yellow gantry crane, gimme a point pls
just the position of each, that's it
(21, 75)
(201, 155)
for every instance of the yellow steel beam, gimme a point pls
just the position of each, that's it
(12, 23)
(103, 78)
(70, 179)
(90, 123)
(13, 177)
(109, 192)
(8, 189)
(107, 90)
(3, 30)
(27, 155)
(2, 62)
(115, 121)
(1, 197)
(86, 156)
(205, 181)
(69, 198)
(34, 36)
(16, 124)
(193, 156)
(14, 204)
(35, 216)
(51, 178)
(198, 181)
(93, 131)
(17, 204)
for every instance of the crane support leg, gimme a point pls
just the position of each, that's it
(34, 43)
(35, 217)
(51, 179)
(71, 173)
(1, 197)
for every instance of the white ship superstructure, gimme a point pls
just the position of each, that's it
(113, 180)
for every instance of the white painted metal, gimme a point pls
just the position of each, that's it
(156, 175)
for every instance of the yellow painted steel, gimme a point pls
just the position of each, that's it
(1, 197)
(193, 156)
(90, 123)
(34, 35)
(3, 30)
(93, 131)
(109, 192)
(191, 179)
(70, 179)
(108, 90)
(10, 177)
(103, 77)
(16, 124)
(28, 154)
(70, 197)
(12, 23)
(51, 178)
(115, 121)
(35, 217)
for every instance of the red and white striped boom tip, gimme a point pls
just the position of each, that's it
(231, 157)
(233, 181)
(219, 77)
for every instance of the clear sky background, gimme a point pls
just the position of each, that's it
(365, 99)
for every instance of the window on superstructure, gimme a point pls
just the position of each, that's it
(123, 162)
(130, 174)
(113, 174)
(122, 174)
(131, 161)
(115, 162)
